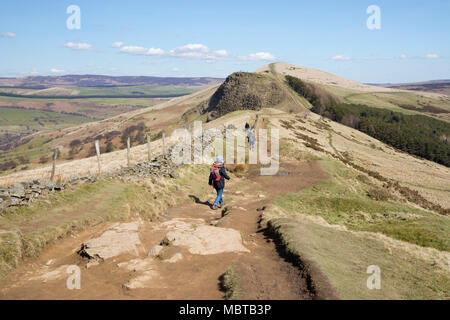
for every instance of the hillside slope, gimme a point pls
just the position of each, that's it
(341, 202)
(325, 78)
(338, 205)
(112, 132)
(407, 101)
(437, 86)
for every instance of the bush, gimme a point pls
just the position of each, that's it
(43, 159)
(379, 194)
(8, 165)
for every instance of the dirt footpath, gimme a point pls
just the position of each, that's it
(182, 256)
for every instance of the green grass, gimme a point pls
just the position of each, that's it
(69, 212)
(147, 102)
(38, 119)
(342, 200)
(387, 100)
(36, 148)
(128, 90)
(230, 284)
(344, 257)
(10, 252)
(87, 205)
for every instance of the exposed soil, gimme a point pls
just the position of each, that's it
(263, 273)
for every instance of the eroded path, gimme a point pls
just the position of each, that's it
(202, 245)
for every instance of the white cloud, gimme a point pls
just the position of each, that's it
(196, 51)
(403, 56)
(8, 35)
(259, 56)
(431, 56)
(141, 50)
(340, 57)
(53, 70)
(117, 44)
(221, 53)
(153, 51)
(78, 46)
(192, 47)
(175, 69)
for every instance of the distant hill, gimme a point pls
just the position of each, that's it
(267, 88)
(90, 80)
(437, 86)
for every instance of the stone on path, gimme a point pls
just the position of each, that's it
(141, 281)
(145, 269)
(45, 274)
(119, 239)
(138, 264)
(175, 258)
(204, 240)
(155, 251)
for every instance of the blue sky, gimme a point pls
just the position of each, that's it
(216, 38)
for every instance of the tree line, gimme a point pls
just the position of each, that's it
(416, 134)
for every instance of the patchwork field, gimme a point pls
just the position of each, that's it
(81, 92)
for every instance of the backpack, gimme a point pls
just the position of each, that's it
(216, 172)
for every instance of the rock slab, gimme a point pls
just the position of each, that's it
(121, 238)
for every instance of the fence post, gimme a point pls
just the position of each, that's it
(128, 151)
(55, 155)
(164, 143)
(97, 150)
(148, 147)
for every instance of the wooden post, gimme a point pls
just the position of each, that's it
(128, 151)
(164, 143)
(97, 150)
(149, 155)
(55, 155)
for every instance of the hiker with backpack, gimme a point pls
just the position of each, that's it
(217, 177)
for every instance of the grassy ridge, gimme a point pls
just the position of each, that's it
(344, 258)
(388, 100)
(416, 134)
(311, 224)
(343, 200)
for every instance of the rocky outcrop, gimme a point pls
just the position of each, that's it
(241, 91)
(246, 91)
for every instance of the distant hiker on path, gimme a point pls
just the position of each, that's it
(251, 138)
(247, 129)
(216, 179)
